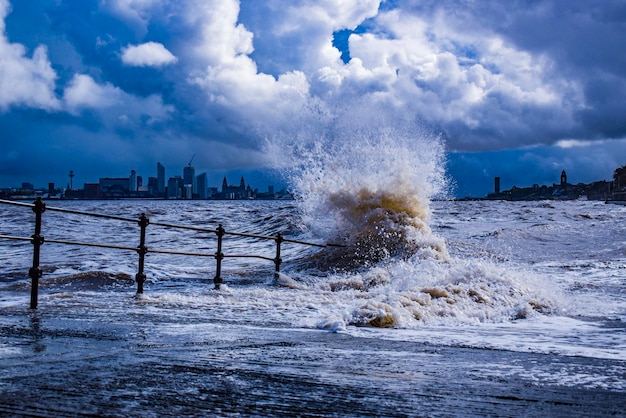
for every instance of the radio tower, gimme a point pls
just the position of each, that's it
(71, 180)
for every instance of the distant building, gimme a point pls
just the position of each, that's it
(619, 179)
(28, 186)
(114, 187)
(189, 177)
(202, 186)
(496, 186)
(74, 194)
(269, 195)
(91, 190)
(133, 181)
(187, 191)
(599, 190)
(153, 186)
(174, 187)
(160, 180)
(235, 192)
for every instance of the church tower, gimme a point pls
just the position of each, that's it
(224, 185)
(563, 178)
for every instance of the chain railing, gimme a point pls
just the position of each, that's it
(37, 240)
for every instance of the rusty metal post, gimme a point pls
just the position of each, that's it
(140, 277)
(278, 260)
(37, 240)
(218, 257)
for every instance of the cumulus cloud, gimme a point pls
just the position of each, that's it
(484, 89)
(136, 13)
(299, 37)
(149, 54)
(478, 87)
(24, 81)
(83, 93)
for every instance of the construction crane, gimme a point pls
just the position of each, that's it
(189, 165)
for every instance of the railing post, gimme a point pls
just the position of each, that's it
(140, 277)
(218, 257)
(37, 240)
(278, 260)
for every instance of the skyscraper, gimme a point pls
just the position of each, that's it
(132, 181)
(189, 177)
(160, 180)
(203, 186)
(174, 187)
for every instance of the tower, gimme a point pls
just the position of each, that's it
(160, 179)
(189, 177)
(203, 187)
(132, 180)
(71, 180)
(496, 186)
(563, 178)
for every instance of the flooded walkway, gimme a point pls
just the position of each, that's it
(59, 365)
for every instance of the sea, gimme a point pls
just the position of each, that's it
(410, 303)
(420, 308)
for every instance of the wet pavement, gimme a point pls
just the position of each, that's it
(58, 365)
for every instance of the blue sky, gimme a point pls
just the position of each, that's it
(516, 89)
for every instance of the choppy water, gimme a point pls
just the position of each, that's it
(493, 308)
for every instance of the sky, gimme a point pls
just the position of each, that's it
(520, 89)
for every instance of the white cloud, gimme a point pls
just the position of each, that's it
(577, 143)
(336, 14)
(115, 105)
(83, 92)
(470, 78)
(299, 37)
(465, 78)
(24, 81)
(220, 38)
(149, 54)
(136, 13)
(571, 143)
(230, 78)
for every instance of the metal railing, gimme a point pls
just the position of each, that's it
(37, 240)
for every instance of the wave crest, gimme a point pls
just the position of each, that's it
(364, 178)
(375, 225)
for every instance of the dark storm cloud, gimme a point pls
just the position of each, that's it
(585, 42)
(562, 61)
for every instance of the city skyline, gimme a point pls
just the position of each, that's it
(267, 178)
(155, 185)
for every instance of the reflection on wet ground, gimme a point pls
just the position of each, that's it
(59, 365)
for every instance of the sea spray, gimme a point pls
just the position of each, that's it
(364, 179)
(418, 291)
